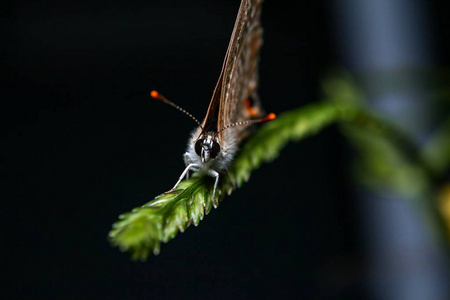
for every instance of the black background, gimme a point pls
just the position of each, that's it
(85, 143)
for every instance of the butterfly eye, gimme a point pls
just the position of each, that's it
(215, 150)
(198, 146)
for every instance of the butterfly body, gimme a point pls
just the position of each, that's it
(207, 152)
(234, 106)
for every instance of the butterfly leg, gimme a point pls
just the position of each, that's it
(193, 167)
(214, 174)
(186, 159)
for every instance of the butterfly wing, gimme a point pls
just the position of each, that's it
(240, 73)
(238, 79)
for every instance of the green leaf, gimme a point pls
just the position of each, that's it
(387, 160)
(437, 151)
(142, 230)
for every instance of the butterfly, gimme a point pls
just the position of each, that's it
(234, 105)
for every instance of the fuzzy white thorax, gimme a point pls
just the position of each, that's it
(220, 163)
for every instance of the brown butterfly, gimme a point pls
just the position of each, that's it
(234, 105)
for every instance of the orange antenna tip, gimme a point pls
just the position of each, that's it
(269, 117)
(154, 94)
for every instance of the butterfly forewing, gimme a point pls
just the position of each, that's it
(234, 103)
(238, 79)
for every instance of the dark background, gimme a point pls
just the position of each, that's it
(85, 143)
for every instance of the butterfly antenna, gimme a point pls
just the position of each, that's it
(267, 118)
(156, 95)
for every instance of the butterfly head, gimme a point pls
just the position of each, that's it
(204, 151)
(207, 147)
